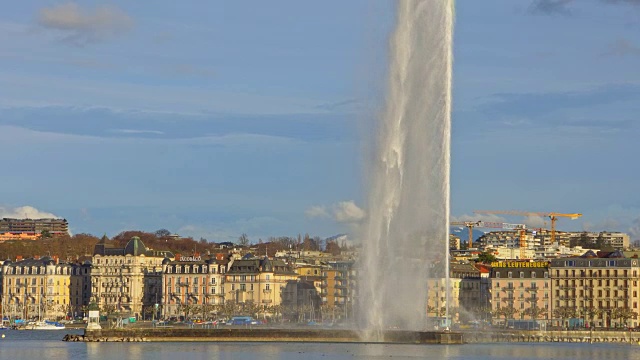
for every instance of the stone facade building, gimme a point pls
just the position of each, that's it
(259, 280)
(126, 279)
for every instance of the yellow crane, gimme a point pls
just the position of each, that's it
(484, 224)
(551, 215)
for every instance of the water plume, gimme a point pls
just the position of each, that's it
(405, 239)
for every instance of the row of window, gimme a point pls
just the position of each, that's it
(533, 274)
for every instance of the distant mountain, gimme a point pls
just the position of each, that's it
(463, 233)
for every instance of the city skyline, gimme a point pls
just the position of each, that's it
(215, 120)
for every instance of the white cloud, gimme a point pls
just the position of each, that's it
(317, 211)
(83, 27)
(343, 212)
(25, 212)
(348, 212)
(535, 222)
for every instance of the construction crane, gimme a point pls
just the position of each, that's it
(551, 215)
(484, 224)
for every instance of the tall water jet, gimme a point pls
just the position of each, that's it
(405, 240)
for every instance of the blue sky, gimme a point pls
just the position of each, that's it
(215, 118)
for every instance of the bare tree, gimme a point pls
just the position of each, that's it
(243, 240)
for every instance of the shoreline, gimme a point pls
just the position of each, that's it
(351, 336)
(263, 335)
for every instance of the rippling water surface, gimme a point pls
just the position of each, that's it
(17, 345)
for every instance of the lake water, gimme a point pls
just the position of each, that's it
(18, 345)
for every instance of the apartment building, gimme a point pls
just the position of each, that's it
(338, 289)
(36, 288)
(595, 287)
(191, 282)
(34, 226)
(259, 280)
(520, 290)
(126, 279)
(615, 240)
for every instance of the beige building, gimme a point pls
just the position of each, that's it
(596, 289)
(520, 290)
(126, 279)
(338, 288)
(259, 280)
(194, 285)
(36, 288)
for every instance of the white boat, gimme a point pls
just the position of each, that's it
(44, 325)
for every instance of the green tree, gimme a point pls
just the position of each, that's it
(162, 233)
(486, 257)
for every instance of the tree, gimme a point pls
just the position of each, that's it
(508, 312)
(207, 309)
(486, 257)
(162, 233)
(107, 309)
(187, 309)
(243, 240)
(534, 312)
(276, 310)
(229, 308)
(591, 313)
(624, 314)
(333, 248)
(251, 308)
(45, 234)
(564, 313)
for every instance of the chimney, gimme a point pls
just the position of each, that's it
(56, 259)
(178, 257)
(18, 257)
(37, 257)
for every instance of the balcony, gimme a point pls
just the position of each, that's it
(533, 288)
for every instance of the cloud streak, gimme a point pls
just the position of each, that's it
(25, 212)
(563, 7)
(80, 27)
(550, 7)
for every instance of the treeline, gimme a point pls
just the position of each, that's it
(71, 248)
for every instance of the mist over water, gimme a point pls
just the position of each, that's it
(405, 239)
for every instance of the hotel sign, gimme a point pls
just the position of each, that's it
(190, 258)
(520, 264)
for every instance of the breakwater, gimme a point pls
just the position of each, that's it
(590, 337)
(261, 335)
